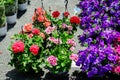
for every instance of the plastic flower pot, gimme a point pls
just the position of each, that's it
(11, 8)
(3, 30)
(22, 5)
(59, 76)
(3, 24)
(12, 19)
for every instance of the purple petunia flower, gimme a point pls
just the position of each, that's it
(93, 72)
(94, 60)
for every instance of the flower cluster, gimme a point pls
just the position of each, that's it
(99, 20)
(28, 49)
(34, 49)
(49, 29)
(52, 60)
(117, 69)
(27, 27)
(56, 14)
(96, 60)
(55, 41)
(74, 57)
(18, 47)
(66, 14)
(40, 19)
(30, 31)
(35, 31)
(116, 46)
(71, 42)
(61, 43)
(75, 20)
(102, 13)
(45, 43)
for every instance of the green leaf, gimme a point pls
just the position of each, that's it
(94, 41)
(57, 67)
(59, 22)
(56, 72)
(62, 64)
(86, 45)
(34, 66)
(24, 63)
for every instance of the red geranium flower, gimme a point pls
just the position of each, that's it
(75, 20)
(30, 35)
(66, 14)
(34, 49)
(36, 31)
(27, 27)
(18, 46)
(56, 14)
(42, 35)
(46, 24)
(40, 11)
(40, 18)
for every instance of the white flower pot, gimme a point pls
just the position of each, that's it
(3, 30)
(23, 6)
(12, 19)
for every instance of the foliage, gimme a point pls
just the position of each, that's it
(22, 1)
(28, 59)
(10, 7)
(59, 45)
(2, 14)
(48, 45)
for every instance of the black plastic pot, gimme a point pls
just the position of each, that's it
(59, 76)
(107, 76)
